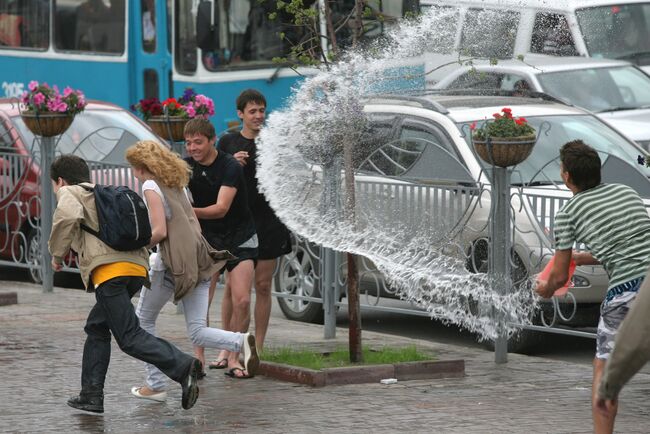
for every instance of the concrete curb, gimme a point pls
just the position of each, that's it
(364, 374)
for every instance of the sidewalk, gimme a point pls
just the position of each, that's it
(41, 341)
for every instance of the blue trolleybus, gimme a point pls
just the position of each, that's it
(125, 50)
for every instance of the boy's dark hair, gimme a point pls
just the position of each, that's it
(72, 169)
(250, 95)
(582, 163)
(199, 126)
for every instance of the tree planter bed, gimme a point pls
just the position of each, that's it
(422, 370)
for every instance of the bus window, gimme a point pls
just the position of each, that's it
(185, 38)
(25, 24)
(247, 37)
(618, 32)
(551, 35)
(148, 8)
(489, 33)
(89, 25)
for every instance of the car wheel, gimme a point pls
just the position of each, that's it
(33, 255)
(523, 341)
(299, 274)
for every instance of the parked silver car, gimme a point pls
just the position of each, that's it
(616, 91)
(422, 150)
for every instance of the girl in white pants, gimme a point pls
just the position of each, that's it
(154, 164)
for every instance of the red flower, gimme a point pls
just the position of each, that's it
(472, 126)
(496, 115)
(519, 121)
(171, 103)
(507, 112)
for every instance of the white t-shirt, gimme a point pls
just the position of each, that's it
(155, 260)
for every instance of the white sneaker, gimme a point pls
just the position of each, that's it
(158, 397)
(251, 359)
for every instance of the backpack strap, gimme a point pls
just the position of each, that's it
(88, 187)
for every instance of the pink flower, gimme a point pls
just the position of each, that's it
(39, 98)
(189, 109)
(33, 85)
(67, 92)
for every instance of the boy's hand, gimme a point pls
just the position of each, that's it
(56, 266)
(241, 157)
(542, 289)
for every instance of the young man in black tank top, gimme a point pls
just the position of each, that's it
(273, 236)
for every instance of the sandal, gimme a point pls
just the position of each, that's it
(219, 364)
(233, 373)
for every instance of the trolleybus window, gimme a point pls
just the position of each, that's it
(89, 25)
(24, 24)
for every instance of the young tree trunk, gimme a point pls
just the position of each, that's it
(354, 309)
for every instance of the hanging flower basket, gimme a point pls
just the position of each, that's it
(504, 151)
(505, 140)
(47, 124)
(168, 127)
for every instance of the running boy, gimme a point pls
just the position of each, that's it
(114, 276)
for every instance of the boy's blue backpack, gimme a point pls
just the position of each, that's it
(123, 218)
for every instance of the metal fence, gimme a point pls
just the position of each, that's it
(310, 281)
(312, 275)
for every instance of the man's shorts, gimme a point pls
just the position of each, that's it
(612, 314)
(244, 252)
(274, 238)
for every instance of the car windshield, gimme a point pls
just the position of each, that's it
(95, 135)
(600, 89)
(543, 165)
(621, 31)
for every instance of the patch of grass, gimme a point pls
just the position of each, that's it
(341, 357)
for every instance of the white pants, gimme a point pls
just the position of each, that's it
(195, 308)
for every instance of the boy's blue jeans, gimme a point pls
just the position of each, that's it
(114, 314)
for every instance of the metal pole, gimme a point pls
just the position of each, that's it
(328, 267)
(47, 156)
(328, 287)
(499, 256)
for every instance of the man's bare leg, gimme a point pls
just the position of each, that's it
(263, 284)
(241, 283)
(223, 355)
(603, 424)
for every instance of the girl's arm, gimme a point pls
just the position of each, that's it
(156, 217)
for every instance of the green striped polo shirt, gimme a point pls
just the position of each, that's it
(612, 222)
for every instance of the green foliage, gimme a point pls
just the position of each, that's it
(341, 357)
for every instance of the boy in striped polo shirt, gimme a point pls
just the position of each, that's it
(612, 222)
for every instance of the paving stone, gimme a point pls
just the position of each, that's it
(41, 342)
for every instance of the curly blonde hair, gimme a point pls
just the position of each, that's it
(166, 166)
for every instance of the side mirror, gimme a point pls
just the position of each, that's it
(207, 30)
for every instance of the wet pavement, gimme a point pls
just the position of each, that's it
(41, 340)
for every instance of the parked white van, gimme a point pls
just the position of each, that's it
(504, 29)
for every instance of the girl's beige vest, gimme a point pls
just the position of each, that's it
(185, 253)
